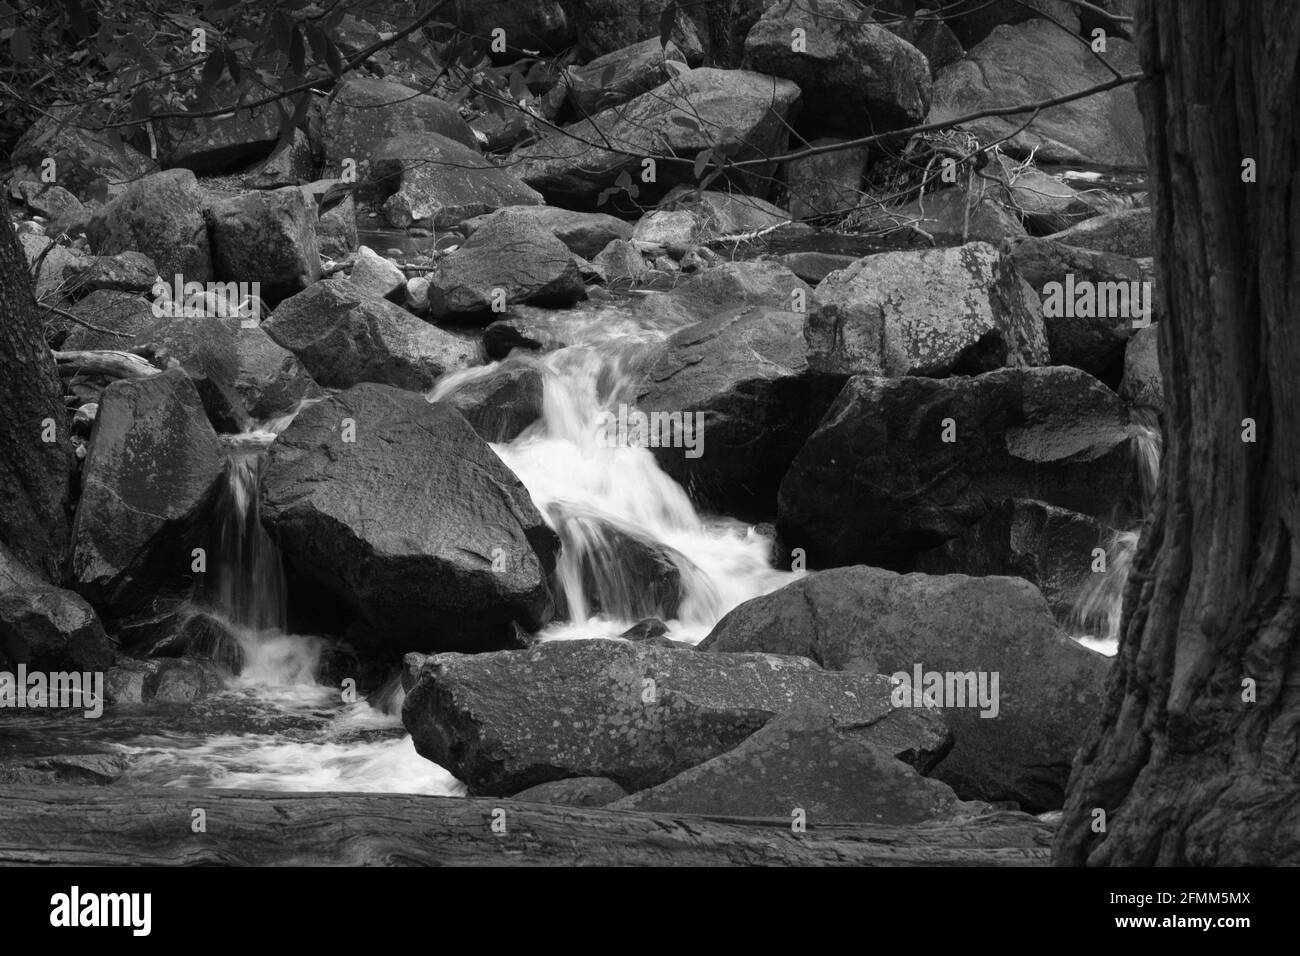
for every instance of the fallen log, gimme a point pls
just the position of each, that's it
(103, 362)
(112, 826)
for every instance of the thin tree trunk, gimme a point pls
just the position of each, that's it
(34, 473)
(1185, 768)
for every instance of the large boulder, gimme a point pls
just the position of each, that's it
(505, 261)
(51, 629)
(1091, 338)
(51, 279)
(1035, 61)
(120, 316)
(693, 112)
(124, 272)
(528, 24)
(86, 162)
(857, 77)
(932, 36)
(336, 224)
(433, 181)
(364, 112)
(1014, 739)
(617, 77)
(602, 27)
(394, 506)
(948, 217)
(344, 336)
(583, 233)
(731, 285)
(270, 380)
(160, 215)
(898, 466)
(962, 309)
(267, 237)
(803, 761)
(212, 145)
(634, 713)
(719, 214)
(151, 474)
(746, 372)
(503, 403)
(1049, 547)
(205, 347)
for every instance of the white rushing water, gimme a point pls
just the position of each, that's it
(610, 506)
(1098, 611)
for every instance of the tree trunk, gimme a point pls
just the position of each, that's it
(106, 826)
(1185, 765)
(34, 473)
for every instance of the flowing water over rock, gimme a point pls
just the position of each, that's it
(1099, 609)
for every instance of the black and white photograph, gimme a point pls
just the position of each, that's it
(650, 435)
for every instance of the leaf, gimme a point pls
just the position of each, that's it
(667, 20)
(281, 32)
(77, 19)
(702, 160)
(603, 197)
(232, 65)
(20, 46)
(686, 122)
(140, 105)
(624, 180)
(708, 180)
(607, 75)
(212, 67)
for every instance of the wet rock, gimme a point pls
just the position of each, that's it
(205, 348)
(336, 226)
(1015, 745)
(742, 380)
(270, 380)
(343, 336)
(636, 714)
(813, 267)
(731, 285)
(935, 312)
(1052, 434)
(621, 263)
(500, 339)
(50, 629)
(92, 769)
(501, 405)
(504, 262)
(802, 760)
(401, 523)
(153, 467)
(1049, 547)
(720, 214)
(949, 217)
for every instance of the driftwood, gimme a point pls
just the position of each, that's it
(111, 826)
(103, 362)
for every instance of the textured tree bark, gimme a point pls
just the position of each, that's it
(94, 827)
(34, 474)
(1185, 769)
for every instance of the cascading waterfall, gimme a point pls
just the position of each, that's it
(1100, 604)
(610, 504)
